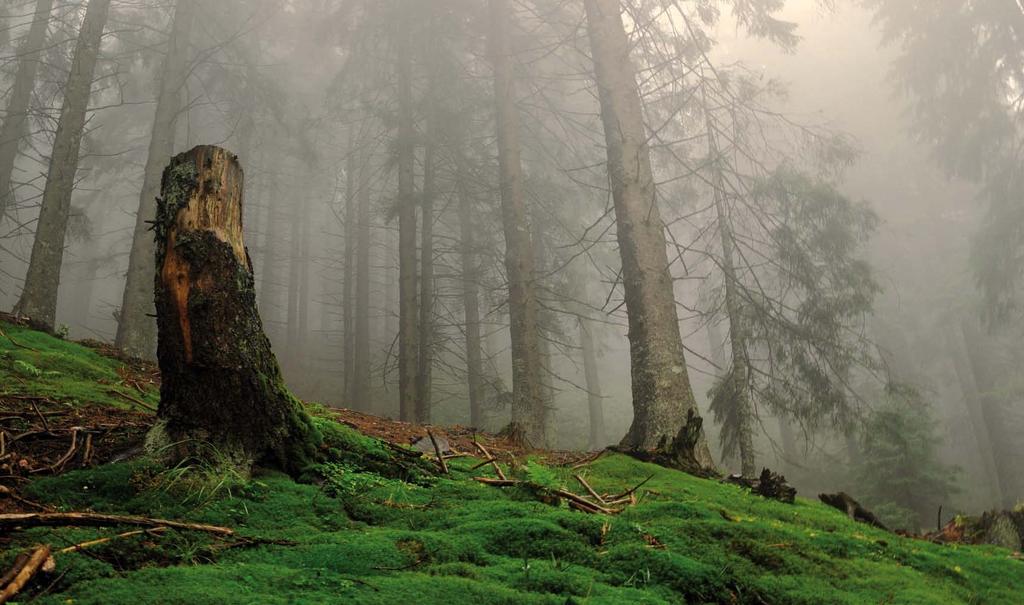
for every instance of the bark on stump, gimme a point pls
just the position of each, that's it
(222, 397)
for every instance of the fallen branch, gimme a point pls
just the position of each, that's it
(440, 456)
(588, 459)
(6, 491)
(138, 402)
(127, 534)
(632, 491)
(16, 343)
(494, 462)
(581, 502)
(19, 562)
(98, 519)
(34, 563)
(589, 489)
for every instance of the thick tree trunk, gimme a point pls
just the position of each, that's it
(663, 401)
(222, 395)
(15, 123)
(595, 405)
(470, 294)
(136, 330)
(39, 296)
(361, 357)
(426, 300)
(528, 410)
(408, 350)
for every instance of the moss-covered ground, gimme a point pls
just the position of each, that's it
(361, 530)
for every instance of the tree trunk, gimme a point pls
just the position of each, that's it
(470, 294)
(984, 371)
(135, 327)
(408, 350)
(39, 296)
(739, 370)
(598, 437)
(979, 426)
(16, 116)
(361, 357)
(528, 411)
(222, 395)
(348, 278)
(662, 398)
(426, 300)
(268, 296)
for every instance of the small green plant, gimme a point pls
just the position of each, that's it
(27, 369)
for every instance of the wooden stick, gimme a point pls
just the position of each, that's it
(138, 402)
(581, 500)
(63, 459)
(15, 342)
(589, 489)
(46, 425)
(32, 565)
(494, 462)
(497, 482)
(589, 459)
(19, 562)
(10, 493)
(631, 491)
(484, 463)
(94, 519)
(87, 544)
(437, 450)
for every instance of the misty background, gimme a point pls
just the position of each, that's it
(276, 83)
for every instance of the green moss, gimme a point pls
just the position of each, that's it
(370, 525)
(66, 372)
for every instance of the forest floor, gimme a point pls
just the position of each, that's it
(378, 522)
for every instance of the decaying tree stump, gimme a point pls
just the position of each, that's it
(222, 397)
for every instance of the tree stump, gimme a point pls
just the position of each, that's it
(222, 398)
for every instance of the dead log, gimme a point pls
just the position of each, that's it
(852, 508)
(98, 519)
(768, 485)
(221, 384)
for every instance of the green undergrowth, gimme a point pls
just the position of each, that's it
(37, 364)
(361, 536)
(370, 524)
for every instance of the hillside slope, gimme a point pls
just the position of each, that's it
(375, 526)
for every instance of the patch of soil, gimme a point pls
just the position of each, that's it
(460, 438)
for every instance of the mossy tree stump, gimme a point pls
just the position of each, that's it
(222, 397)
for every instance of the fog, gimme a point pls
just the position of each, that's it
(811, 176)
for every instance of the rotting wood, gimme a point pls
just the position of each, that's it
(98, 519)
(37, 561)
(19, 562)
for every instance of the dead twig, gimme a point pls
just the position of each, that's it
(37, 561)
(137, 402)
(59, 464)
(99, 519)
(588, 459)
(494, 462)
(127, 534)
(632, 491)
(437, 450)
(10, 493)
(15, 342)
(590, 490)
(580, 502)
(46, 425)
